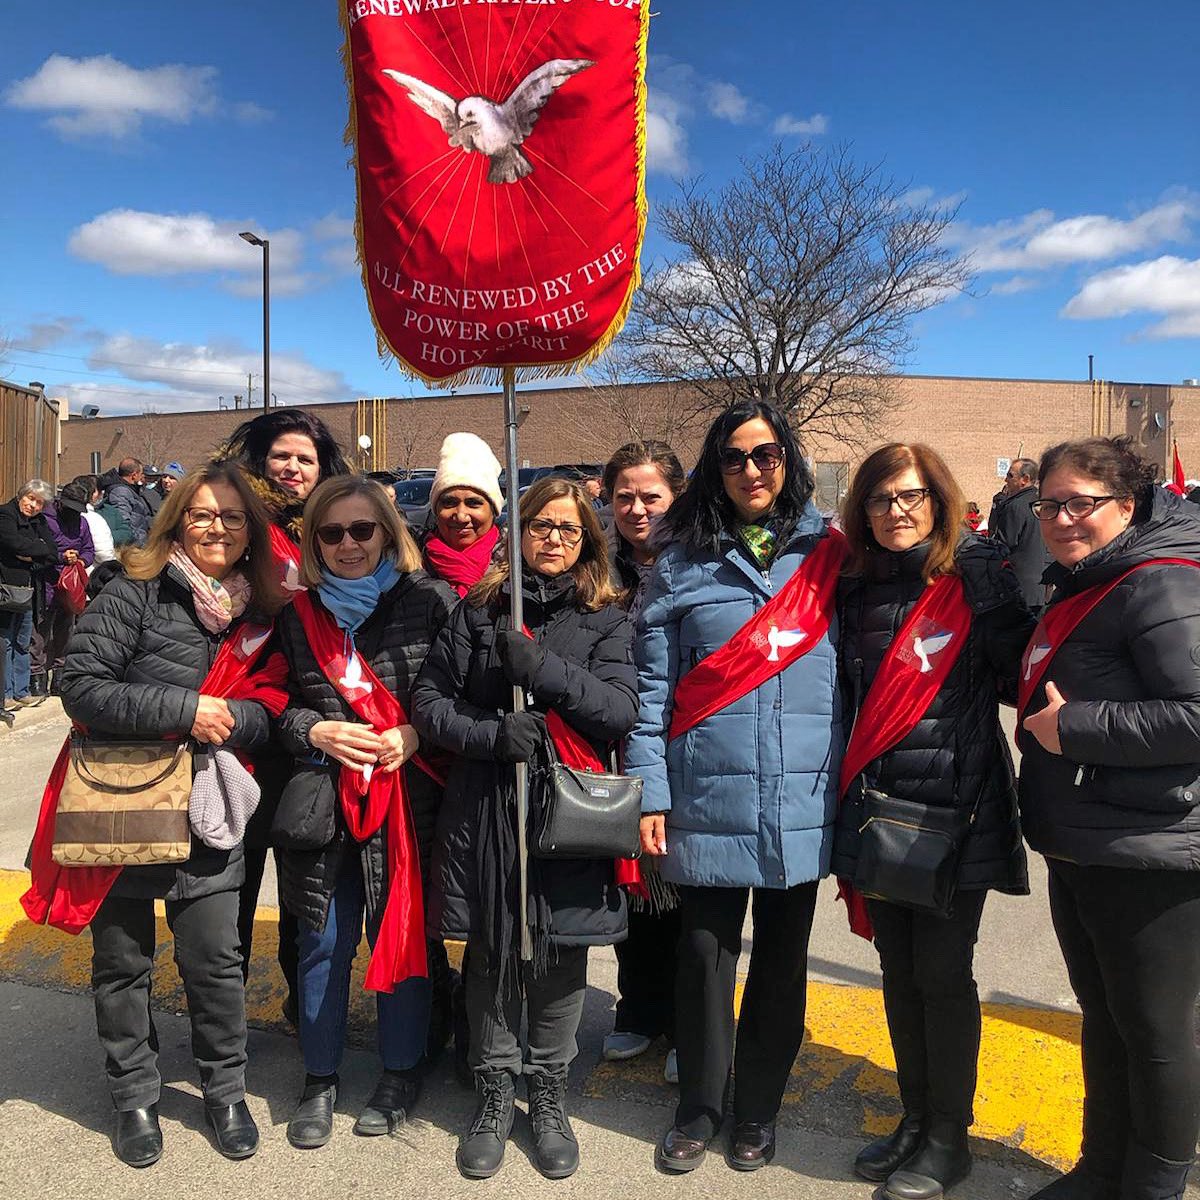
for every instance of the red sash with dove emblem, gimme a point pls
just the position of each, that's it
(784, 630)
(1060, 620)
(287, 554)
(913, 670)
(69, 897)
(373, 799)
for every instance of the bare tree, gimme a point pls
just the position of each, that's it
(795, 284)
(620, 411)
(417, 439)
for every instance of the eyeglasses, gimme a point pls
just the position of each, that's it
(541, 529)
(1077, 507)
(881, 503)
(232, 519)
(766, 457)
(359, 531)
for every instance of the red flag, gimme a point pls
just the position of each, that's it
(500, 155)
(1178, 483)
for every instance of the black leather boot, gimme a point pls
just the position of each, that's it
(942, 1160)
(1080, 1184)
(394, 1098)
(1148, 1177)
(555, 1150)
(311, 1125)
(880, 1158)
(138, 1140)
(233, 1128)
(482, 1151)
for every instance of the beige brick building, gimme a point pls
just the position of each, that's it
(972, 422)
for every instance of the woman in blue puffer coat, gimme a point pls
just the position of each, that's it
(742, 803)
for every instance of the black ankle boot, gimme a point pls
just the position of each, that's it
(311, 1125)
(233, 1128)
(391, 1103)
(1149, 1177)
(482, 1151)
(942, 1160)
(555, 1150)
(878, 1159)
(138, 1140)
(1079, 1183)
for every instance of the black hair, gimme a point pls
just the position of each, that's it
(251, 442)
(704, 515)
(1112, 461)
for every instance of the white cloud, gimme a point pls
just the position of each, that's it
(728, 102)
(1011, 287)
(1038, 241)
(44, 332)
(250, 113)
(103, 95)
(787, 125)
(128, 242)
(927, 197)
(666, 136)
(341, 251)
(1167, 285)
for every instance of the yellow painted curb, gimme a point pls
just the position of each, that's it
(1029, 1096)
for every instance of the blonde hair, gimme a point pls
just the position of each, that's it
(398, 543)
(149, 561)
(593, 583)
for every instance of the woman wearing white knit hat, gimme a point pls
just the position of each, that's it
(465, 501)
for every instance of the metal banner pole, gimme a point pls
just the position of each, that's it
(516, 611)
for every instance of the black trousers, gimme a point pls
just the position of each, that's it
(1131, 941)
(771, 1025)
(288, 956)
(210, 964)
(932, 1003)
(646, 965)
(553, 1005)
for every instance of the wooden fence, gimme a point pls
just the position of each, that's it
(29, 441)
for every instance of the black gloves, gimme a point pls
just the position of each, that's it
(521, 735)
(521, 658)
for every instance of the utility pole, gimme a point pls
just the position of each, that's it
(249, 390)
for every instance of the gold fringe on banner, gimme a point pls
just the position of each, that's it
(493, 376)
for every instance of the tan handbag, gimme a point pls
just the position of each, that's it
(124, 804)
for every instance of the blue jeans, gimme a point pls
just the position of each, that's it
(326, 956)
(16, 629)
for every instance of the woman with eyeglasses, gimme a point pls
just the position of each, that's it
(356, 819)
(932, 630)
(573, 658)
(135, 669)
(1110, 794)
(738, 741)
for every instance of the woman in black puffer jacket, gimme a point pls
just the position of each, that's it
(903, 522)
(363, 569)
(578, 663)
(1110, 794)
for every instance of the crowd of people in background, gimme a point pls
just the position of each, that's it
(796, 695)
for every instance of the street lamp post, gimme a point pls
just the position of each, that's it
(265, 243)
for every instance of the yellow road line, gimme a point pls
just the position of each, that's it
(1029, 1094)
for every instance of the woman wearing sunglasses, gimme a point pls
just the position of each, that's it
(1110, 794)
(932, 631)
(356, 819)
(738, 741)
(574, 659)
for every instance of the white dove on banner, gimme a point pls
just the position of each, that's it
(252, 641)
(291, 577)
(353, 680)
(1035, 656)
(924, 647)
(785, 638)
(496, 130)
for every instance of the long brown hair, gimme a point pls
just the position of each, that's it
(946, 496)
(397, 541)
(593, 587)
(258, 567)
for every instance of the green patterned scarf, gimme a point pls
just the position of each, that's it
(760, 541)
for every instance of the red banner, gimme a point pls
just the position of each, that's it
(500, 157)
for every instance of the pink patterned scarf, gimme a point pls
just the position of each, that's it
(218, 601)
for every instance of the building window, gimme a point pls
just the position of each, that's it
(832, 483)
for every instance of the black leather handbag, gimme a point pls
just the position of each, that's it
(14, 597)
(908, 852)
(306, 817)
(583, 814)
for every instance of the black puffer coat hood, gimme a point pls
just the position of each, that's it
(1125, 790)
(957, 754)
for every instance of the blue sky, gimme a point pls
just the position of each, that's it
(136, 146)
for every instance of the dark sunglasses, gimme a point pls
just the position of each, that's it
(766, 457)
(359, 531)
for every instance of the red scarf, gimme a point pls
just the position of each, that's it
(785, 629)
(69, 897)
(916, 665)
(1059, 622)
(373, 799)
(575, 751)
(461, 569)
(287, 554)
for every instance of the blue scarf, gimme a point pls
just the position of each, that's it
(352, 601)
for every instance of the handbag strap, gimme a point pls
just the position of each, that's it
(80, 764)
